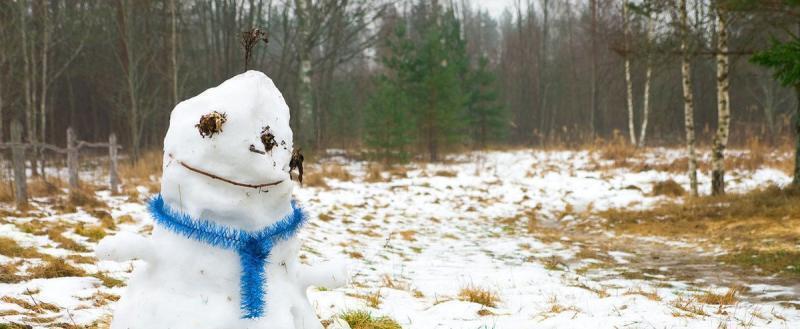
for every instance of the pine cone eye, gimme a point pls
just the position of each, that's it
(211, 124)
(268, 139)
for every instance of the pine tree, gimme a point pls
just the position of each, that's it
(389, 125)
(784, 59)
(437, 78)
(486, 118)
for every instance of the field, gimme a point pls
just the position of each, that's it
(500, 239)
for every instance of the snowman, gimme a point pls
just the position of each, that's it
(223, 252)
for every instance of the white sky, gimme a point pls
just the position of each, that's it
(495, 7)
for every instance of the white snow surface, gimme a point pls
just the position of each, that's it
(416, 239)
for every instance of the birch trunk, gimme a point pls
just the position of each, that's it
(648, 78)
(628, 82)
(723, 108)
(305, 122)
(688, 101)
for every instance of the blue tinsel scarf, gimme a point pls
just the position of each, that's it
(253, 248)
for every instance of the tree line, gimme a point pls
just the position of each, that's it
(410, 78)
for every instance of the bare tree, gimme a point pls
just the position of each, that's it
(648, 79)
(723, 105)
(688, 100)
(628, 83)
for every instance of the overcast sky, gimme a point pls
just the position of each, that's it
(495, 7)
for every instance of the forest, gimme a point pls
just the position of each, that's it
(402, 78)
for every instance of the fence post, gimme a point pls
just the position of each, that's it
(113, 177)
(72, 160)
(18, 160)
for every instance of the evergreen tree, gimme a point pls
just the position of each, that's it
(486, 117)
(421, 97)
(389, 124)
(437, 77)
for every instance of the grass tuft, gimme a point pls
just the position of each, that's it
(55, 268)
(10, 248)
(479, 295)
(373, 174)
(55, 234)
(364, 320)
(728, 298)
(668, 187)
(8, 273)
(93, 233)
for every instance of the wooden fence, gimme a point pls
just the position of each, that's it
(72, 152)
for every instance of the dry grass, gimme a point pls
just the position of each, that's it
(364, 320)
(649, 294)
(314, 179)
(10, 248)
(317, 176)
(393, 283)
(6, 190)
(373, 299)
(479, 295)
(600, 292)
(336, 171)
(41, 187)
(108, 281)
(445, 173)
(373, 174)
(33, 305)
(92, 232)
(728, 298)
(55, 268)
(84, 197)
(617, 149)
(147, 167)
(739, 222)
(408, 235)
(55, 234)
(8, 273)
(556, 307)
(668, 188)
(689, 305)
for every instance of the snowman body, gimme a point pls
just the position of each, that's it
(234, 176)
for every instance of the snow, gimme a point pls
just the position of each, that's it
(417, 239)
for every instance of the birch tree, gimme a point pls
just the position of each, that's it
(304, 91)
(628, 83)
(688, 100)
(723, 105)
(648, 78)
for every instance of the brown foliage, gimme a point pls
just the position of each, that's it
(669, 188)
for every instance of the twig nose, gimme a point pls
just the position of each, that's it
(254, 150)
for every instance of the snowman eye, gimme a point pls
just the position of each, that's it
(268, 139)
(211, 124)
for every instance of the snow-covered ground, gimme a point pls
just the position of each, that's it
(422, 234)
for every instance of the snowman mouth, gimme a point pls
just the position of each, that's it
(229, 181)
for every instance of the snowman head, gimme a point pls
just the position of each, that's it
(227, 153)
